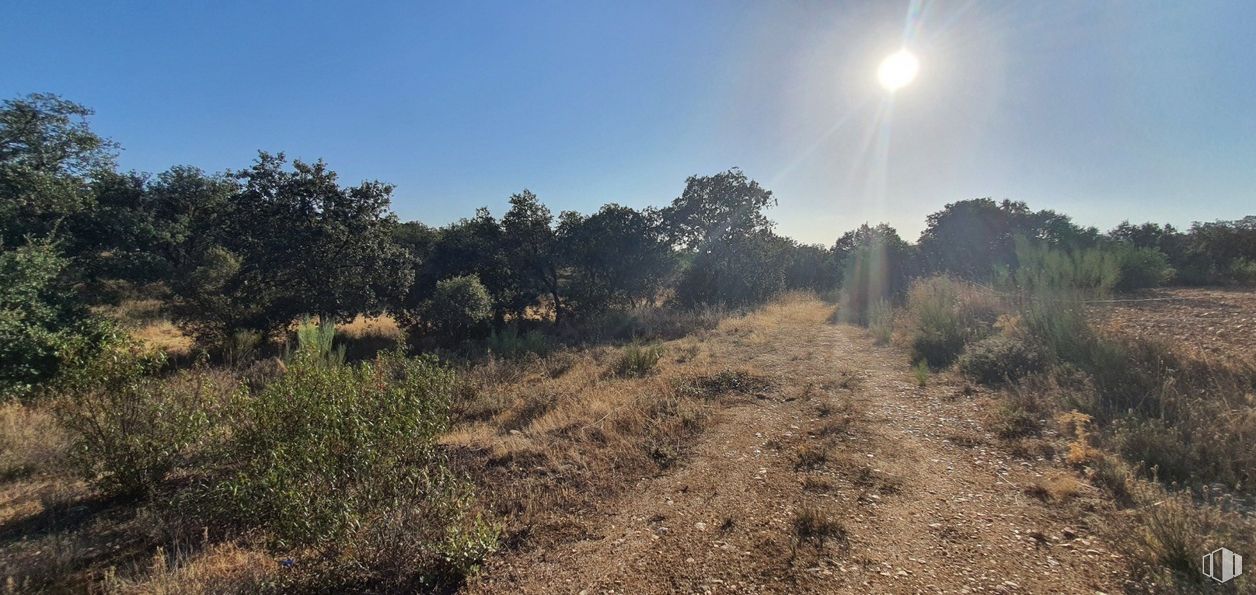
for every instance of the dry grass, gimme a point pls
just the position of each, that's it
(218, 568)
(544, 438)
(146, 321)
(1056, 488)
(813, 525)
(30, 441)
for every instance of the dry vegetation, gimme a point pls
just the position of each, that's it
(541, 435)
(550, 437)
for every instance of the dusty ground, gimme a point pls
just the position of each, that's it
(846, 478)
(1218, 322)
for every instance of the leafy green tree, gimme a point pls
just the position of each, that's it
(145, 228)
(739, 271)
(41, 320)
(532, 253)
(811, 267)
(876, 266)
(467, 247)
(47, 155)
(974, 238)
(718, 208)
(616, 257)
(293, 241)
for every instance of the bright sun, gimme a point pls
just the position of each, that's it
(897, 70)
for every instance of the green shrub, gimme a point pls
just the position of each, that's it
(130, 428)
(1040, 269)
(1242, 272)
(459, 308)
(327, 453)
(40, 318)
(920, 372)
(638, 360)
(999, 358)
(946, 314)
(1139, 268)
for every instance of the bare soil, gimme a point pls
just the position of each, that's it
(846, 477)
(1218, 322)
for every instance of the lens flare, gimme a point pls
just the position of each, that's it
(897, 70)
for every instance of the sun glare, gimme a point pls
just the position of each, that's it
(897, 70)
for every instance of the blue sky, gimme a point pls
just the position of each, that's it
(1103, 110)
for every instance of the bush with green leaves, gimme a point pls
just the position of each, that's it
(459, 308)
(1140, 268)
(330, 455)
(946, 314)
(130, 426)
(40, 318)
(1000, 358)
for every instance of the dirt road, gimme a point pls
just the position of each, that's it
(848, 477)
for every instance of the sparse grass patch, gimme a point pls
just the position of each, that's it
(810, 457)
(30, 441)
(712, 385)
(1166, 534)
(637, 360)
(813, 525)
(1056, 488)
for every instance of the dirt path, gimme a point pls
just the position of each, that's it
(906, 491)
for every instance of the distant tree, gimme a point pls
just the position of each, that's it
(810, 266)
(532, 253)
(294, 241)
(467, 247)
(144, 229)
(616, 257)
(717, 208)
(974, 238)
(48, 154)
(741, 270)
(875, 264)
(1223, 251)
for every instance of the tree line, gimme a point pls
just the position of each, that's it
(255, 248)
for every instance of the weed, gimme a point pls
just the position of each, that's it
(637, 360)
(811, 524)
(920, 372)
(810, 457)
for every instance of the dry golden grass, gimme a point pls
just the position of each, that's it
(217, 568)
(1056, 488)
(363, 327)
(146, 321)
(30, 440)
